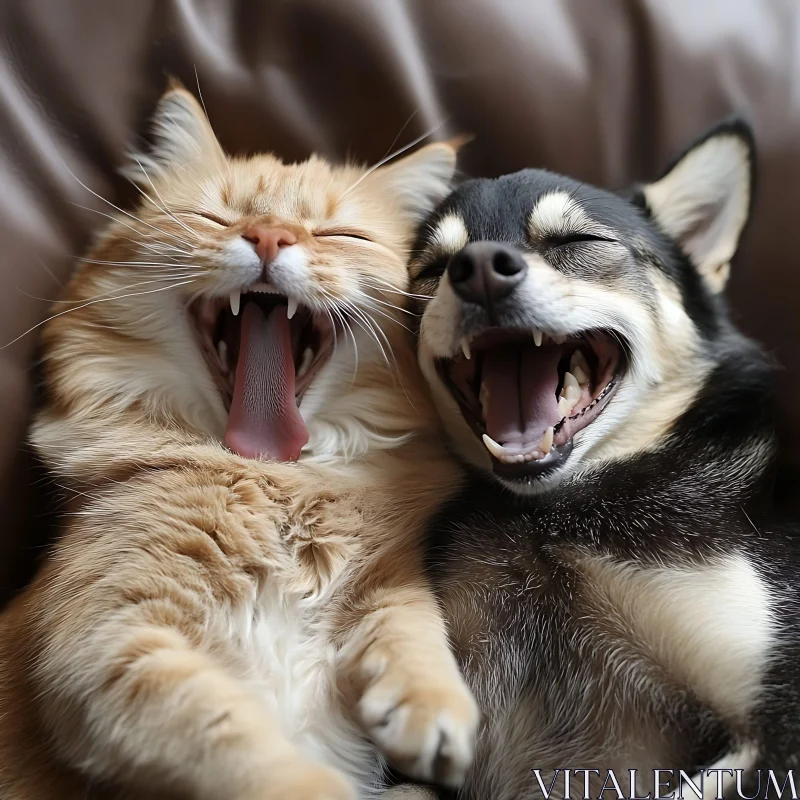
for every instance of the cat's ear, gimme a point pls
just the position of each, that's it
(703, 201)
(421, 180)
(180, 133)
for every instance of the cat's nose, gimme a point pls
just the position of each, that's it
(268, 240)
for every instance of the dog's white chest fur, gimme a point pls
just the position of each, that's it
(710, 626)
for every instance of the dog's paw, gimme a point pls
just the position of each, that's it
(424, 725)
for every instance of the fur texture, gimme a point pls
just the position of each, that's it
(213, 626)
(631, 605)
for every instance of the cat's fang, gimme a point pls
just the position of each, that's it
(291, 307)
(236, 298)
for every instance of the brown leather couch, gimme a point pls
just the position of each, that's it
(606, 90)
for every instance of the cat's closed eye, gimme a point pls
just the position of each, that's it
(207, 216)
(343, 233)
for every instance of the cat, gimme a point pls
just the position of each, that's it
(217, 621)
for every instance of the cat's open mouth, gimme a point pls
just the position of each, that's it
(263, 357)
(526, 395)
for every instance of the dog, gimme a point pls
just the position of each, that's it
(620, 592)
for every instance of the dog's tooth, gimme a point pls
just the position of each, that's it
(465, 348)
(236, 298)
(580, 375)
(570, 391)
(308, 357)
(565, 406)
(537, 337)
(579, 367)
(291, 307)
(495, 449)
(222, 351)
(573, 395)
(571, 388)
(547, 440)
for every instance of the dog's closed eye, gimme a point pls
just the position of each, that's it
(568, 239)
(434, 270)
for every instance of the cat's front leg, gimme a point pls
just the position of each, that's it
(137, 705)
(409, 694)
(129, 656)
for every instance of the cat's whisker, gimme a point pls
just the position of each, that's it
(126, 213)
(163, 207)
(391, 305)
(388, 317)
(369, 301)
(385, 286)
(388, 158)
(397, 372)
(157, 249)
(50, 272)
(130, 227)
(373, 330)
(347, 328)
(198, 267)
(331, 307)
(400, 132)
(163, 279)
(91, 303)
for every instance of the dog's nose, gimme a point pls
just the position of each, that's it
(484, 273)
(268, 240)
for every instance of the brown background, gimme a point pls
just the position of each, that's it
(605, 90)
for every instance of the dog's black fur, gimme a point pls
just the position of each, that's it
(563, 679)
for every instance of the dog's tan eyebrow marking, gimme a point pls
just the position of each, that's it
(450, 235)
(558, 214)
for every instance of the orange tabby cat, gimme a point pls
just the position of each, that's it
(218, 622)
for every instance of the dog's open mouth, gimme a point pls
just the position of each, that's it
(527, 394)
(263, 353)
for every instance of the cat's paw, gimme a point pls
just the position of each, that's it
(424, 725)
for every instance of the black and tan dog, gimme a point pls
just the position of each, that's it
(620, 597)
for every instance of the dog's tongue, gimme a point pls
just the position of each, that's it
(264, 421)
(522, 382)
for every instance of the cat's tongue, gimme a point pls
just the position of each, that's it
(264, 421)
(521, 382)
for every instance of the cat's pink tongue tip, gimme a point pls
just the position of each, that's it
(264, 421)
(248, 446)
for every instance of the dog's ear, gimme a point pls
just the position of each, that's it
(703, 200)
